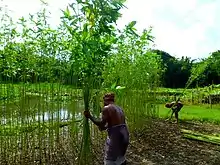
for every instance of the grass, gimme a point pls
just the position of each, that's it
(201, 113)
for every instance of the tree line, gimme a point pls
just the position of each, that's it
(177, 71)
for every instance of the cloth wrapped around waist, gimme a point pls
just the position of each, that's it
(117, 142)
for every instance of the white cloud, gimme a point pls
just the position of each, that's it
(182, 28)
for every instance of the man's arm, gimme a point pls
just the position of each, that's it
(101, 123)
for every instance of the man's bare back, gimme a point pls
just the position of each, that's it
(115, 115)
(113, 120)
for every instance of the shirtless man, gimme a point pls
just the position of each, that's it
(176, 107)
(113, 120)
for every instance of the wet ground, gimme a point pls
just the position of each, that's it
(161, 143)
(158, 142)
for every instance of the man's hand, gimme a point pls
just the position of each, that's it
(87, 114)
(100, 123)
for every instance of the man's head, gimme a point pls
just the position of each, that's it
(109, 98)
(168, 105)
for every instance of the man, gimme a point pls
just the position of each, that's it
(176, 107)
(113, 120)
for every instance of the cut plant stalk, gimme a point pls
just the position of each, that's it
(200, 137)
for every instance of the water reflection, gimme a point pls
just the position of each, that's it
(36, 109)
(61, 115)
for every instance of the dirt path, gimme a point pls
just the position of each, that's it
(161, 143)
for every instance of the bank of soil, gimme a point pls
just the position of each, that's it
(161, 143)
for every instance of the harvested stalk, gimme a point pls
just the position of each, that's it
(200, 137)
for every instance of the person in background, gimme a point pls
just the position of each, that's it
(113, 120)
(175, 106)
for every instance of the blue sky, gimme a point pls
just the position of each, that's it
(182, 28)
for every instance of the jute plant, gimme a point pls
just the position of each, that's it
(91, 27)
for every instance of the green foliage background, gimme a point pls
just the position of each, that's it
(77, 62)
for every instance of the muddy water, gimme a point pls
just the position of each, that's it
(39, 109)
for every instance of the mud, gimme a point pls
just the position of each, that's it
(161, 143)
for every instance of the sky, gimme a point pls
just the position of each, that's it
(181, 28)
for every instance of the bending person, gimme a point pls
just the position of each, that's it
(175, 107)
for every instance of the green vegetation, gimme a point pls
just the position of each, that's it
(202, 113)
(49, 76)
(177, 71)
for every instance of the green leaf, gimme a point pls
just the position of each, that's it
(67, 12)
(132, 24)
(113, 86)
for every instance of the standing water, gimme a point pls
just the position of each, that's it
(40, 130)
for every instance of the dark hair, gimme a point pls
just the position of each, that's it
(167, 105)
(109, 96)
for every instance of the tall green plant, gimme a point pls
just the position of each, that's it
(132, 64)
(92, 31)
(196, 71)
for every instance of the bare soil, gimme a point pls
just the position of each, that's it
(161, 143)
